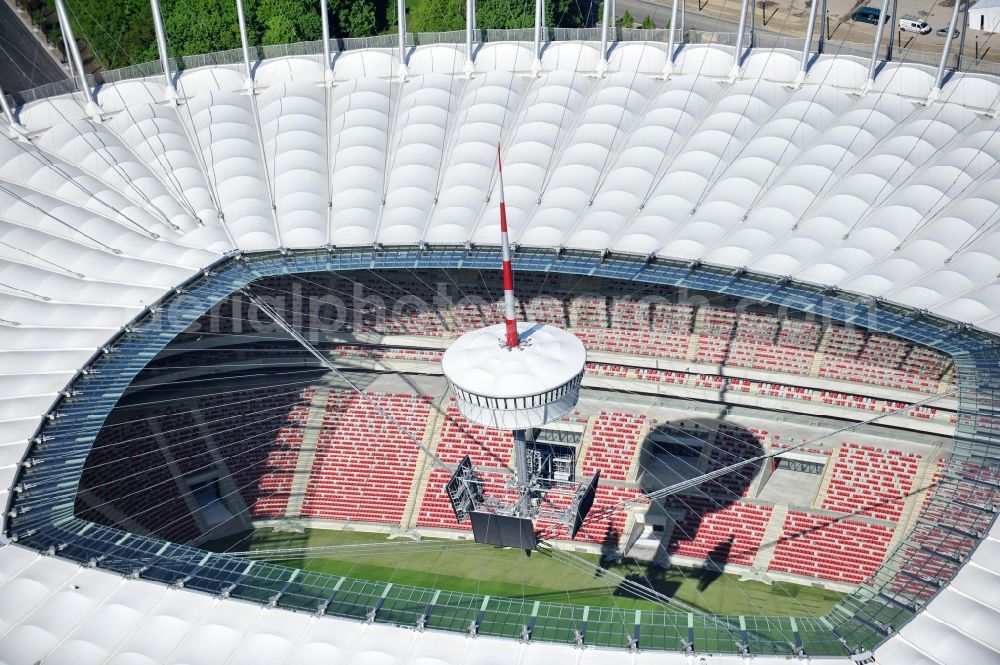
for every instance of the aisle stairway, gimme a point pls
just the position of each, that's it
(824, 483)
(772, 532)
(425, 465)
(585, 440)
(307, 452)
(227, 485)
(914, 502)
(820, 354)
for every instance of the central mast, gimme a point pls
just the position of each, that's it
(509, 310)
(516, 377)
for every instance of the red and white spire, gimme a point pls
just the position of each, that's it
(509, 311)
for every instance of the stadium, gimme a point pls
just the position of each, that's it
(745, 411)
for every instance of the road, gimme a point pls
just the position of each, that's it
(722, 15)
(660, 13)
(24, 63)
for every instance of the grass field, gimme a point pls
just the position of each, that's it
(466, 566)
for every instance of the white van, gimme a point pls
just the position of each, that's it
(914, 24)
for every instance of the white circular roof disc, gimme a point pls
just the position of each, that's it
(547, 358)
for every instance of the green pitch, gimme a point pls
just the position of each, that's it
(465, 566)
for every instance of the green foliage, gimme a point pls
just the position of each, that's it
(114, 33)
(561, 13)
(647, 23)
(287, 20)
(626, 20)
(203, 26)
(117, 33)
(54, 35)
(279, 30)
(436, 16)
(390, 15)
(357, 18)
(505, 14)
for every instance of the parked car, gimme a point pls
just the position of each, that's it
(914, 24)
(867, 15)
(943, 32)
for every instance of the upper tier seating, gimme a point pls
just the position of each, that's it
(609, 317)
(714, 329)
(767, 343)
(870, 481)
(613, 444)
(857, 356)
(486, 447)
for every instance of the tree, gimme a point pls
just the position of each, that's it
(358, 19)
(563, 13)
(505, 14)
(436, 16)
(120, 32)
(279, 30)
(295, 20)
(647, 23)
(390, 14)
(626, 21)
(204, 26)
(115, 33)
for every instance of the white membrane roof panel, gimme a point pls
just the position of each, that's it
(878, 194)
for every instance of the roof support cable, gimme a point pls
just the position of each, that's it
(166, 176)
(101, 150)
(268, 177)
(191, 134)
(45, 213)
(116, 216)
(699, 480)
(264, 307)
(58, 267)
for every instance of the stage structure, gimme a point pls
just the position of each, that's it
(516, 376)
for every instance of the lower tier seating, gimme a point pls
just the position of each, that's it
(604, 525)
(839, 549)
(258, 434)
(726, 532)
(126, 472)
(364, 464)
(435, 510)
